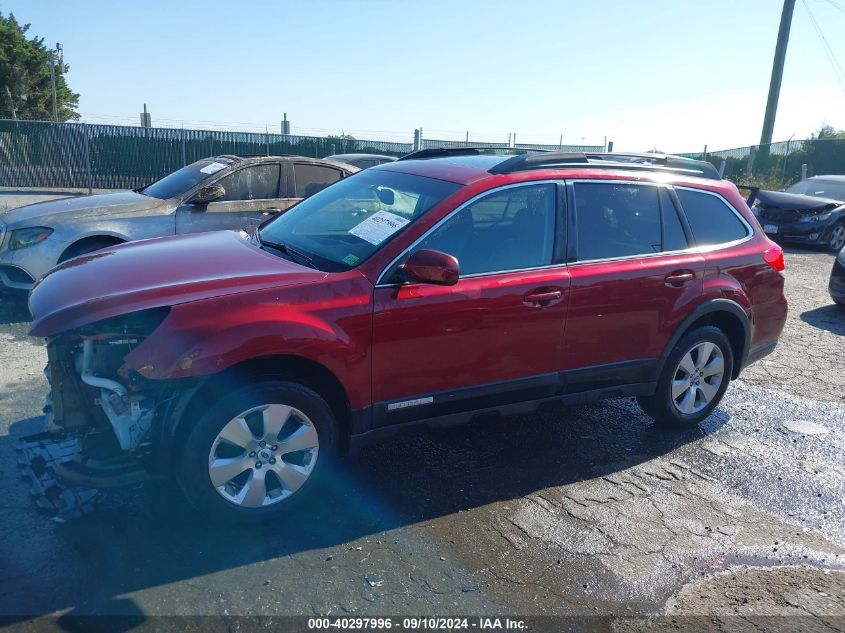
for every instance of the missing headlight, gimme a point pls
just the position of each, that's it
(139, 323)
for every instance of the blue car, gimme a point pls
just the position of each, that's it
(811, 211)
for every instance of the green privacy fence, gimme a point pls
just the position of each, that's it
(779, 163)
(80, 155)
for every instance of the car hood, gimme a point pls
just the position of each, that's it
(52, 211)
(154, 273)
(784, 200)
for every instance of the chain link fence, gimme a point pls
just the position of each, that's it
(779, 164)
(80, 155)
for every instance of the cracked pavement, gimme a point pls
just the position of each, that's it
(585, 510)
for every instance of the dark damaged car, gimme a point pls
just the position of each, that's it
(811, 211)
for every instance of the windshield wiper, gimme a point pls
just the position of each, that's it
(295, 255)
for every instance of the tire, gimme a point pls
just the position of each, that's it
(692, 404)
(87, 246)
(276, 412)
(836, 237)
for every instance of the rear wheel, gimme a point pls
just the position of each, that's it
(693, 380)
(258, 452)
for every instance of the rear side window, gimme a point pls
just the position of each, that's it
(616, 220)
(313, 178)
(252, 183)
(712, 221)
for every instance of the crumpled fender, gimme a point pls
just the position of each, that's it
(318, 322)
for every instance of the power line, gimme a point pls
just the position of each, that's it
(831, 55)
(836, 5)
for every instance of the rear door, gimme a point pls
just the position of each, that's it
(309, 178)
(252, 193)
(635, 276)
(492, 338)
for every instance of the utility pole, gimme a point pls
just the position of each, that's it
(11, 103)
(777, 72)
(56, 55)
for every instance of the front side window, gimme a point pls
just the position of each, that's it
(260, 182)
(313, 178)
(712, 221)
(512, 229)
(183, 180)
(616, 220)
(340, 227)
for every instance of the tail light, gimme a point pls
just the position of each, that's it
(774, 258)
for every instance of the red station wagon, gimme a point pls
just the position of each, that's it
(444, 285)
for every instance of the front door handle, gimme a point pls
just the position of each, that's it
(678, 278)
(271, 210)
(543, 298)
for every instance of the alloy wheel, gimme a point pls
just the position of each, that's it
(698, 377)
(837, 237)
(263, 455)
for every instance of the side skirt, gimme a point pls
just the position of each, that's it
(358, 441)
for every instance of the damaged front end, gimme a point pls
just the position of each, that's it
(99, 418)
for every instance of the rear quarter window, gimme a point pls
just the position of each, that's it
(711, 219)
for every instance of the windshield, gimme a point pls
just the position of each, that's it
(185, 179)
(819, 188)
(342, 225)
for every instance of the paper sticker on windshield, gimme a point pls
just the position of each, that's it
(213, 168)
(378, 227)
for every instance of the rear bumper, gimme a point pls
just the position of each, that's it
(761, 351)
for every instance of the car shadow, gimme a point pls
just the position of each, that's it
(830, 317)
(148, 536)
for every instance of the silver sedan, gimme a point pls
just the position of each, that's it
(224, 192)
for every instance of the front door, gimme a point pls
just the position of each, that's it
(634, 278)
(252, 193)
(492, 338)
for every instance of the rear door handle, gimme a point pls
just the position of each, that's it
(679, 278)
(543, 298)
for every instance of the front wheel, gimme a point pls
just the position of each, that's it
(836, 239)
(257, 452)
(693, 380)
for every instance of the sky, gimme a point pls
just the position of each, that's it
(672, 75)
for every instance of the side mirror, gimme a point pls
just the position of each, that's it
(208, 194)
(432, 267)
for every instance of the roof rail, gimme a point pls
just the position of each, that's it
(443, 152)
(563, 160)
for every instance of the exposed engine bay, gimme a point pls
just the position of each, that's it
(97, 425)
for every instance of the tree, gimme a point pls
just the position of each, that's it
(824, 153)
(25, 76)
